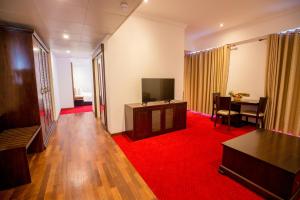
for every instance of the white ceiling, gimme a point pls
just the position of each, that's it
(86, 21)
(89, 21)
(203, 17)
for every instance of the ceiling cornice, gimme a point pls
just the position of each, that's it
(160, 19)
(253, 22)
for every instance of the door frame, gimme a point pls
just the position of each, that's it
(96, 64)
(73, 88)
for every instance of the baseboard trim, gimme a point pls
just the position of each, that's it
(118, 133)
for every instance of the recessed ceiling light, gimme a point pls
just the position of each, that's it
(221, 25)
(68, 51)
(66, 36)
(146, 1)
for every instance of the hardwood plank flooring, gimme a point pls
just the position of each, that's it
(81, 162)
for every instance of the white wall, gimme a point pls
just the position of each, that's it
(140, 48)
(247, 69)
(261, 27)
(83, 75)
(55, 81)
(65, 82)
(248, 62)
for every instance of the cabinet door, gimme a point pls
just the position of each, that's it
(180, 116)
(156, 120)
(142, 126)
(169, 118)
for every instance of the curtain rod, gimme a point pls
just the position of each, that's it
(203, 50)
(261, 38)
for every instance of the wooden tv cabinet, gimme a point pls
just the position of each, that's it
(154, 118)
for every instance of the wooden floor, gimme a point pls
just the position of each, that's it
(81, 162)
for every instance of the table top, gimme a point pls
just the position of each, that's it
(246, 102)
(278, 149)
(17, 137)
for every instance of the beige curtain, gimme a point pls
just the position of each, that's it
(204, 73)
(283, 83)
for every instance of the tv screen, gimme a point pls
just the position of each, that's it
(157, 89)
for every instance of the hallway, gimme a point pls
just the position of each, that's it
(81, 162)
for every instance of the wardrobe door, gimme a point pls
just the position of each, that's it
(45, 94)
(43, 83)
(38, 75)
(48, 90)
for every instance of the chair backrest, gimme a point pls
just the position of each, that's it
(262, 104)
(215, 95)
(223, 103)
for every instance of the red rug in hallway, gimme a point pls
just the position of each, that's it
(78, 109)
(184, 164)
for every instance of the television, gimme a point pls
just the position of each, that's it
(157, 89)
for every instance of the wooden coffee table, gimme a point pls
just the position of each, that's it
(265, 161)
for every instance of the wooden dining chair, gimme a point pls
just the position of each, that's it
(214, 106)
(224, 109)
(259, 114)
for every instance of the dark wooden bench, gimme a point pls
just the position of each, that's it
(14, 145)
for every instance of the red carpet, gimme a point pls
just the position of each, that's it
(78, 109)
(184, 164)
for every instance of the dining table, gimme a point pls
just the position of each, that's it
(246, 102)
(236, 105)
